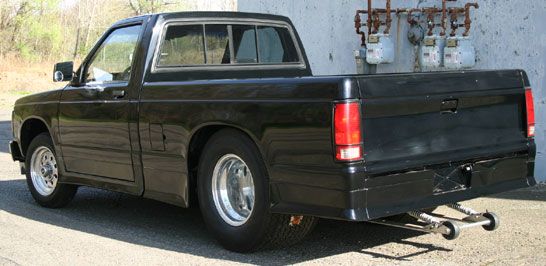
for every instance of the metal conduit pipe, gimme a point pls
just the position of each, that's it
(467, 21)
(444, 16)
(411, 19)
(376, 21)
(388, 19)
(358, 26)
(431, 12)
(369, 21)
(454, 12)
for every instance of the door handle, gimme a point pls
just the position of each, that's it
(94, 88)
(118, 94)
(449, 106)
(94, 91)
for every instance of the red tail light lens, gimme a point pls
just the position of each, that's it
(530, 112)
(347, 131)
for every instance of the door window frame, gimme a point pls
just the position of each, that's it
(89, 58)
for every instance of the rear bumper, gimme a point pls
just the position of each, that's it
(418, 201)
(391, 194)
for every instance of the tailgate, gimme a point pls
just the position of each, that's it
(415, 120)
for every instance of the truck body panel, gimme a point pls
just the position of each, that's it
(419, 130)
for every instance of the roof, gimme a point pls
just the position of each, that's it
(224, 14)
(213, 14)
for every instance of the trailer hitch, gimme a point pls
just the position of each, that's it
(450, 228)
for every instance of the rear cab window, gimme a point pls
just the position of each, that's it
(190, 45)
(244, 42)
(183, 46)
(276, 46)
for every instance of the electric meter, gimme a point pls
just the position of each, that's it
(459, 53)
(431, 54)
(379, 49)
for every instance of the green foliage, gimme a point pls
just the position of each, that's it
(55, 30)
(34, 30)
(25, 52)
(44, 40)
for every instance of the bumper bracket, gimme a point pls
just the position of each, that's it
(449, 227)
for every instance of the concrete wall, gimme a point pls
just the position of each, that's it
(503, 40)
(215, 5)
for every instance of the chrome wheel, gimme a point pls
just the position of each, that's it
(43, 171)
(233, 190)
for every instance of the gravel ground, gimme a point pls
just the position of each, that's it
(107, 228)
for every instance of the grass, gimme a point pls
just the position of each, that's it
(22, 93)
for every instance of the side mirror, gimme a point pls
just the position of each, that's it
(63, 71)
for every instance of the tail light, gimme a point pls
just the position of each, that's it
(348, 131)
(530, 107)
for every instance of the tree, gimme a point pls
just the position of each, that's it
(141, 7)
(43, 30)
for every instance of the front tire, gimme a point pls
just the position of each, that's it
(43, 174)
(233, 191)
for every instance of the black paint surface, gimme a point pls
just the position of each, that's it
(416, 127)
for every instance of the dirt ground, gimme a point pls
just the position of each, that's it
(107, 228)
(18, 79)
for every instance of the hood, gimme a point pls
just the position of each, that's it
(46, 96)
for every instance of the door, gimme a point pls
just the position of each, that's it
(94, 116)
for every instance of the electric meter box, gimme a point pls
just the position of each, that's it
(431, 53)
(379, 49)
(459, 53)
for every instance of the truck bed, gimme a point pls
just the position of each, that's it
(415, 120)
(428, 139)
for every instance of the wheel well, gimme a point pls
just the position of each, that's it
(30, 129)
(195, 149)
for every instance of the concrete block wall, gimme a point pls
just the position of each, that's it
(507, 34)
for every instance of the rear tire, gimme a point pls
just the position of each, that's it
(233, 192)
(43, 175)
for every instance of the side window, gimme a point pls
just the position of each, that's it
(113, 60)
(217, 43)
(275, 45)
(199, 45)
(244, 44)
(183, 45)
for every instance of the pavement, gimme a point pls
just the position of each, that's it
(108, 228)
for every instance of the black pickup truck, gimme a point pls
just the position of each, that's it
(222, 109)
